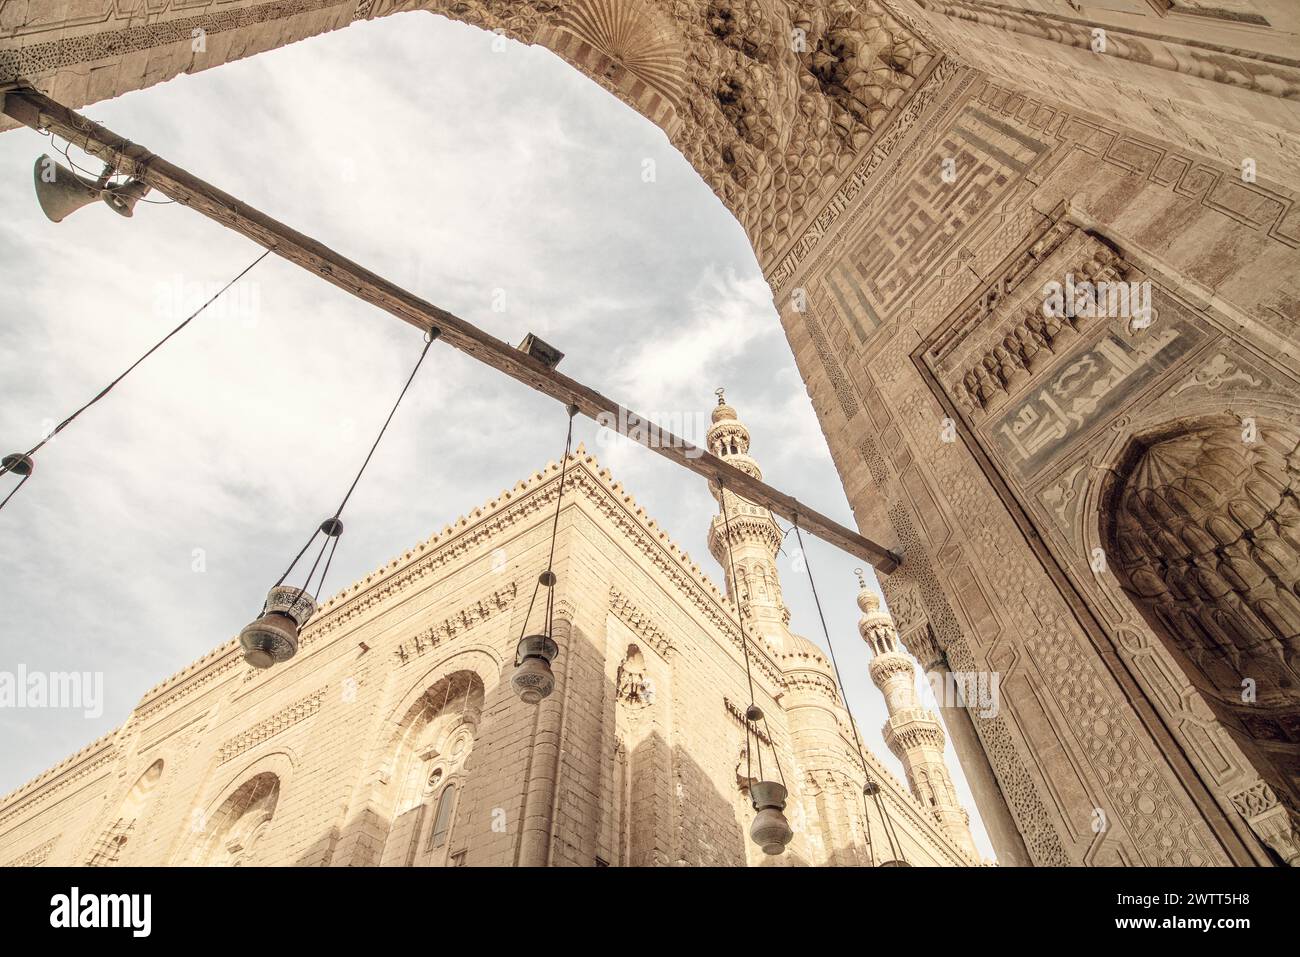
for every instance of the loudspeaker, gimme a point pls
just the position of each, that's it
(123, 197)
(60, 191)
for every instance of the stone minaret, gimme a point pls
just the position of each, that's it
(913, 732)
(755, 536)
(826, 779)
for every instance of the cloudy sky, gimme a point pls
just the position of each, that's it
(503, 186)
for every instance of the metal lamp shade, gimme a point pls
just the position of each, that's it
(533, 679)
(770, 830)
(273, 638)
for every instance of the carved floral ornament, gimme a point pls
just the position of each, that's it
(35, 857)
(454, 542)
(455, 625)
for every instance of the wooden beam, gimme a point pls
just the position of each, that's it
(39, 112)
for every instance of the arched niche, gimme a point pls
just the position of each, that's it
(233, 828)
(241, 822)
(1200, 522)
(112, 843)
(424, 770)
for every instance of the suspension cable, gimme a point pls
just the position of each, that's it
(14, 490)
(11, 461)
(549, 574)
(869, 781)
(333, 527)
(830, 646)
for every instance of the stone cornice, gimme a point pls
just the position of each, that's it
(1263, 73)
(468, 533)
(671, 565)
(889, 665)
(738, 714)
(924, 827)
(35, 857)
(85, 762)
(184, 683)
(913, 728)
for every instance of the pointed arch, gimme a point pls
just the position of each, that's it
(112, 842)
(240, 823)
(424, 767)
(233, 827)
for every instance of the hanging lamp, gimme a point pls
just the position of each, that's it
(20, 464)
(533, 678)
(770, 830)
(272, 638)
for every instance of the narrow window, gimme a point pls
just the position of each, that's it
(442, 822)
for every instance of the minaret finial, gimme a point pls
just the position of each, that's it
(862, 582)
(718, 392)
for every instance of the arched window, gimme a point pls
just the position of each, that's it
(442, 820)
(427, 768)
(234, 831)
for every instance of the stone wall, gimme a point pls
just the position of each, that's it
(916, 285)
(401, 690)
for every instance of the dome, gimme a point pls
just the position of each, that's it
(801, 648)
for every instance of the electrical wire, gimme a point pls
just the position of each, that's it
(97, 176)
(14, 491)
(744, 647)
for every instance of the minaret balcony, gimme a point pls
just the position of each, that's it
(912, 728)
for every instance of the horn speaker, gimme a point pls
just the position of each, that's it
(62, 192)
